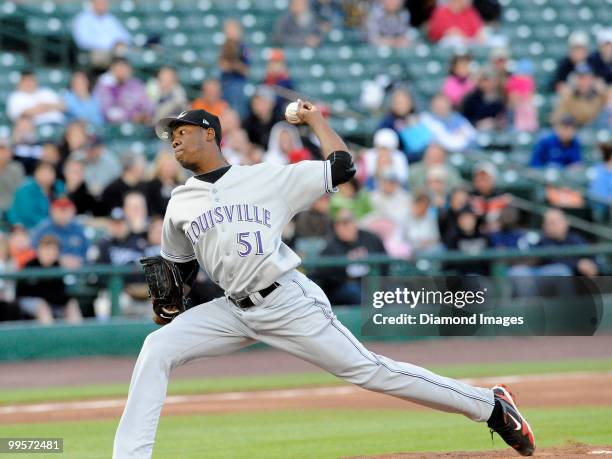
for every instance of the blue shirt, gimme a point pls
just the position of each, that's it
(601, 186)
(100, 33)
(83, 109)
(550, 151)
(72, 237)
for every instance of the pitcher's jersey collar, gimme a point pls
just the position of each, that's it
(213, 176)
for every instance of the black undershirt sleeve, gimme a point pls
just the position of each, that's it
(342, 167)
(188, 271)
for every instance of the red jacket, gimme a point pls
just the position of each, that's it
(443, 19)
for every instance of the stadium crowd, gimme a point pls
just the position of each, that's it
(78, 202)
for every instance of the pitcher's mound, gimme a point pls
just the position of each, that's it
(570, 451)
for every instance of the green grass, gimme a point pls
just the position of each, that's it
(244, 383)
(322, 433)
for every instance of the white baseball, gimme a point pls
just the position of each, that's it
(291, 113)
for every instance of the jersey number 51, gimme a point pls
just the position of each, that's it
(243, 239)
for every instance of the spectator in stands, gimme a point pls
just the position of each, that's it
(100, 33)
(459, 81)
(277, 76)
(509, 236)
(355, 13)
(166, 93)
(210, 98)
(352, 197)
(498, 61)
(489, 10)
(8, 308)
(75, 139)
(485, 107)
(32, 198)
(42, 105)
(121, 247)
(556, 234)
(77, 190)
(600, 60)
(154, 236)
(166, 177)
(329, 13)
(314, 222)
(230, 123)
(285, 145)
(385, 154)
(11, 176)
(578, 44)
(584, 99)
(262, 116)
(486, 200)
(46, 299)
(456, 23)
(135, 211)
(237, 148)
(50, 154)
(101, 165)
(435, 156)
(62, 225)
(252, 154)
(26, 146)
(80, 104)
(123, 97)
(388, 24)
(437, 187)
(234, 64)
(343, 285)
(389, 199)
(604, 120)
(470, 240)
(420, 228)
(20, 246)
(235, 140)
(131, 179)
(520, 91)
(448, 217)
(601, 184)
(420, 11)
(297, 27)
(560, 148)
(403, 118)
(447, 127)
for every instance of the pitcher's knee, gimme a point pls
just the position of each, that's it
(157, 348)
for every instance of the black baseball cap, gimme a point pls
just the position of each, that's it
(202, 118)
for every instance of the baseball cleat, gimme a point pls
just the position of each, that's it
(509, 423)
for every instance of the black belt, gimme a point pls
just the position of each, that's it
(246, 302)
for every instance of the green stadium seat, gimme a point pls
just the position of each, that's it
(8, 9)
(52, 26)
(50, 133)
(192, 76)
(11, 61)
(54, 78)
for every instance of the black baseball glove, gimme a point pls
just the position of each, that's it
(165, 289)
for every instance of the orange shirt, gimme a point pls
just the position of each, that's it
(216, 109)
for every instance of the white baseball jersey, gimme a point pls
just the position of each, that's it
(233, 226)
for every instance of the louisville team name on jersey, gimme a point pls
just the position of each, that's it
(235, 212)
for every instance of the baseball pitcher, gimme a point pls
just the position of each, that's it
(228, 221)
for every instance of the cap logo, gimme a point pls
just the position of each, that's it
(182, 114)
(204, 121)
